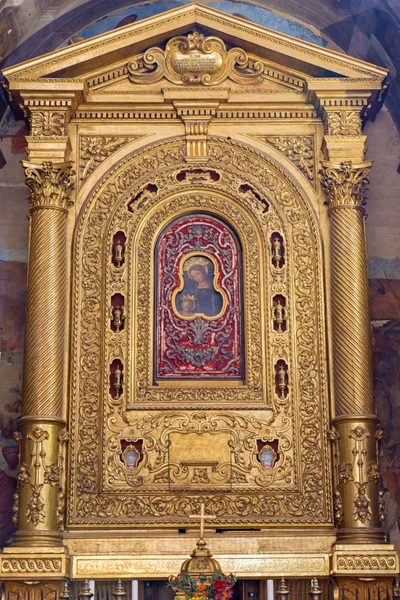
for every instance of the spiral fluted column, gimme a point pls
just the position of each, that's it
(349, 279)
(40, 497)
(357, 502)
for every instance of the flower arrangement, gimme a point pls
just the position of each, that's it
(206, 587)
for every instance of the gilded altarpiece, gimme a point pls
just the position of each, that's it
(171, 423)
(197, 182)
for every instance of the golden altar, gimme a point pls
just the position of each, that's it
(197, 313)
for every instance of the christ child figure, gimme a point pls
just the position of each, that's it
(188, 305)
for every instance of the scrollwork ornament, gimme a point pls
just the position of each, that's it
(31, 565)
(366, 562)
(50, 185)
(345, 184)
(39, 474)
(195, 59)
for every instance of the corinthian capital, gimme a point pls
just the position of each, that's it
(50, 185)
(344, 184)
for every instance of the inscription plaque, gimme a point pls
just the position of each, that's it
(195, 59)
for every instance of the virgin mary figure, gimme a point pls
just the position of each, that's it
(200, 272)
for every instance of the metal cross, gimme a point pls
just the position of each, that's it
(202, 516)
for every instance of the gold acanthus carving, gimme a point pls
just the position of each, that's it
(345, 184)
(345, 123)
(50, 185)
(39, 473)
(47, 123)
(95, 149)
(31, 565)
(299, 150)
(126, 181)
(359, 472)
(195, 59)
(337, 497)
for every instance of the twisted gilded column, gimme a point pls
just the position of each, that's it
(40, 497)
(357, 505)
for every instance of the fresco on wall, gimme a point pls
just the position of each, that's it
(386, 353)
(13, 268)
(12, 315)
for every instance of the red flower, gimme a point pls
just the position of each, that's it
(219, 585)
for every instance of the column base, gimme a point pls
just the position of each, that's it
(38, 562)
(357, 535)
(28, 538)
(364, 560)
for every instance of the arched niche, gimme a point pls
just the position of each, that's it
(281, 400)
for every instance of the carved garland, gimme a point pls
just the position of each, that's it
(310, 340)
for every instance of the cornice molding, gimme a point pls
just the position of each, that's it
(166, 24)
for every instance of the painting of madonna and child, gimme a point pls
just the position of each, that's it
(199, 296)
(199, 300)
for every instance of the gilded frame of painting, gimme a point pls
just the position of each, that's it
(143, 220)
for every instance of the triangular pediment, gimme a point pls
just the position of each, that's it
(288, 61)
